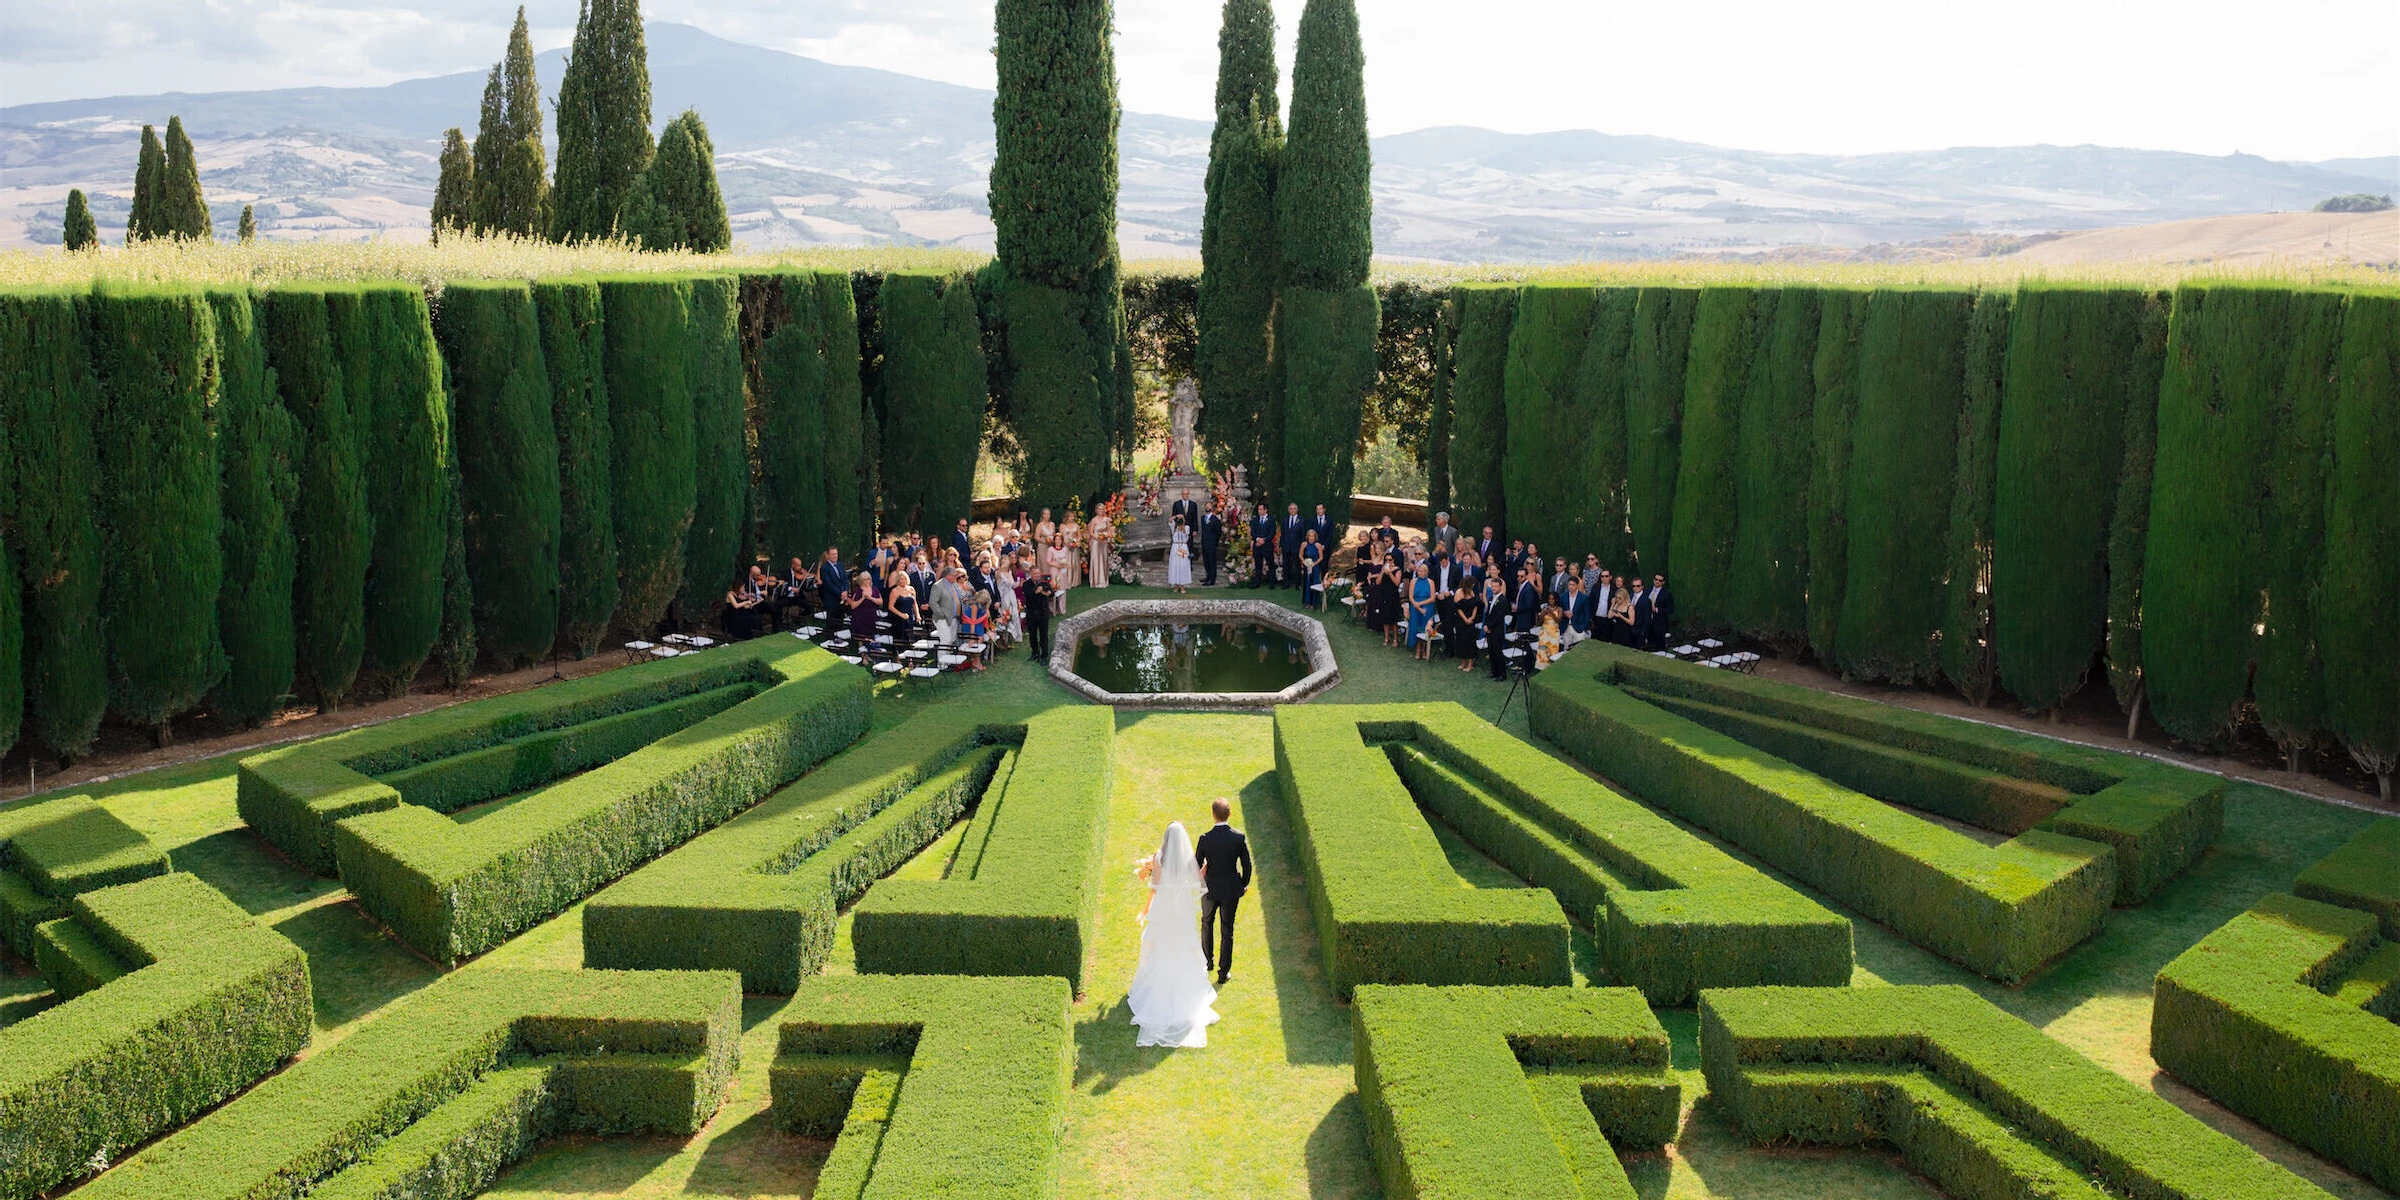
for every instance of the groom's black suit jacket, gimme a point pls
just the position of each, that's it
(1224, 858)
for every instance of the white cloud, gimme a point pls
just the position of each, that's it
(2305, 79)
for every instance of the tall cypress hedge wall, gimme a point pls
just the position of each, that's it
(50, 400)
(1662, 338)
(393, 380)
(2290, 560)
(574, 334)
(2129, 525)
(933, 399)
(1479, 407)
(1840, 315)
(1545, 474)
(258, 448)
(2358, 629)
(1768, 597)
(331, 530)
(1327, 355)
(1903, 464)
(508, 465)
(712, 368)
(1716, 376)
(2226, 354)
(783, 336)
(1966, 646)
(650, 429)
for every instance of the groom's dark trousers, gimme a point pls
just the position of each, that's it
(1223, 855)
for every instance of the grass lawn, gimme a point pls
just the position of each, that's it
(1269, 1109)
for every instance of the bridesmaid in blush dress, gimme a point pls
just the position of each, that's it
(1103, 549)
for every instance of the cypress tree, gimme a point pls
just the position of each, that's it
(82, 233)
(393, 379)
(49, 400)
(146, 221)
(331, 530)
(508, 456)
(1716, 375)
(2227, 350)
(850, 454)
(678, 206)
(2290, 560)
(1769, 595)
(1239, 263)
(1662, 338)
(1064, 370)
(182, 209)
(2129, 523)
(933, 387)
(784, 328)
(1601, 384)
(454, 648)
(1479, 405)
(2358, 629)
(574, 345)
(454, 192)
(1437, 417)
(491, 143)
(1903, 468)
(2072, 367)
(650, 418)
(1967, 646)
(1840, 314)
(12, 613)
(246, 231)
(257, 449)
(155, 357)
(1549, 433)
(712, 369)
(522, 198)
(603, 121)
(1324, 213)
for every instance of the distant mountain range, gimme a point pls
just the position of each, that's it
(814, 153)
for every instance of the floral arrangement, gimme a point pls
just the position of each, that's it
(1145, 866)
(1074, 511)
(1147, 485)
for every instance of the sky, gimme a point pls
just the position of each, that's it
(2299, 79)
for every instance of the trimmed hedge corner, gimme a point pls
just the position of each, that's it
(2364, 874)
(453, 1085)
(760, 894)
(932, 1085)
(1509, 1092)
(55, 850)
(190, 1002)
(1024, 893)
(1671, 913)
(1979, 1101)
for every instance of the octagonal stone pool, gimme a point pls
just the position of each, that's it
(1218, 654)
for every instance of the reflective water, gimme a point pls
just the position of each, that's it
(1194, 656)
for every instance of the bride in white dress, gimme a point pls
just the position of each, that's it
(1172, 1003)
(1179, 558)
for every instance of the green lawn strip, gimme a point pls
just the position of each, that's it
(455, 890)
(617, 1052)
(1995, 1106)
(1029, 906)
(934, 1085)
(2286, 1014)
(174, 1000)
(1509, 1092)
(760, 893)
(2003, 911)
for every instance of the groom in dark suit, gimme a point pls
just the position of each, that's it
(1224, 858)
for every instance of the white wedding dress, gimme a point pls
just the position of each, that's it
(1172, 1003)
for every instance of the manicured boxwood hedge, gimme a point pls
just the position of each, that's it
(1976, 1099)
(2000, 910)
(933, 1085)
(2246, 1017)
(2364, 874)
(507, 442)
(760, 893)
(1475, 1092)
(1024, 893)
(574, 333)
(1671, 913)
(199, 1002)
(432, 1100)
(55, 850)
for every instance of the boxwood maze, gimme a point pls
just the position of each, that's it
(2286, 1015)
(677, 746)
(932, 1085)
(1023, 894)
(759, 895)
(172, 1000)
(53, 851)
(1802, 779)
(1510, 1093)
(1672, 914)
(1981, 1102)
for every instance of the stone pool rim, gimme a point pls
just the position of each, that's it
(1323, 672)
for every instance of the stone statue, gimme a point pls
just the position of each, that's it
(1183, 416)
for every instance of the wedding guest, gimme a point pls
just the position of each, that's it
(863, 606)
(1466, 625)
(1312, 570)
(1445, 536)
(960, 544)
(743, 620)
(1620, 617)
(1485, 546)
(943, 605)
(1104, 551)
(1546, 647)
(1592, 572)
(1055, 562)
(1420, 614)
(975, 623)
(1496, 620)
(906, 607)
(1577, 604)
(1638, 635)
(1071, 529)
(1212, 543)
(1384, 599)
(1525, 608)
(1662, 612)
(1262, 548)
(1044, 529)
(1038, 597)
(1008, 613)
(1288, 540)
(1322, 526)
